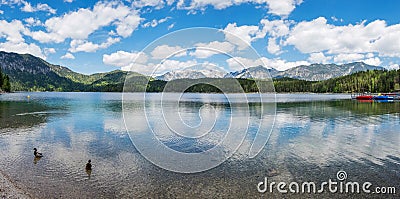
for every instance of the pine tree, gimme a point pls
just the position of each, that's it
(1, 79)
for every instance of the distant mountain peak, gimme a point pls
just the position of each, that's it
(317, 72)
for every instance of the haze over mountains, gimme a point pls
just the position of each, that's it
(30, 72)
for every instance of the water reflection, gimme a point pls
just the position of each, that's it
(22, 114)
(36, 159)
(310, 141)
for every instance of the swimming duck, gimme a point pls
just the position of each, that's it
(89, 165)
(37, 154)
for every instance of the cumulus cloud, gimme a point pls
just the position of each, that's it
(153, 23)
(22, 48)
(39, 7)
(148, 3)
(164, 51)
(205, 50)
(33, 22)
(13, 33)
(317, 36)
(319, 58)
(86, 46)
(276, 7)
(128, 24)
(393, 66)
(68, 56)
(161, 68)
(238, 63)
(340, 58)
(48, 51)
(375, 61)
(170, 64)
(80, 24)
(242, 36)
(123, 59)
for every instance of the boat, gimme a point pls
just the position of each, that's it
(364, 97)
(383, 97)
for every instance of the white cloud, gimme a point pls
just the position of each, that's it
(128, 24)
(12, 31)
(80, 24)
(164, 51)
(33, 22)
(273, 47)
(153, 23)
(158, 69)
(39, 7)
(242, 36)
(122, 58)
(350, 57)
(393, 66)
(151, 3)
(205, 50)
(1, 12)
(336, 19)
(171, 26)
(317, 36)
(48, 51)
(68, 56)
(86, 46)
(375, 61)
(235, 63)
(170, 65)
(319, 58)
(276, 7)
(282, 7)
(68, 1)
(274, 29)
(22, 47)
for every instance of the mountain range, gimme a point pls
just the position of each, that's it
(28, 72)
(313, 72)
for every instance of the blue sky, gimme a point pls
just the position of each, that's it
(97, 36)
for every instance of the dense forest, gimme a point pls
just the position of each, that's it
(5, 85)
(374, 81)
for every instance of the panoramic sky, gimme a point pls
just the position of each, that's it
(97, 36)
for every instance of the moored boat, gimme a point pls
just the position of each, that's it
(364, 97)
(383, 97)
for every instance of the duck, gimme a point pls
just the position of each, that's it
(37, 154)
(89, 165)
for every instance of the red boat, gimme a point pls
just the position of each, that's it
(365, 97)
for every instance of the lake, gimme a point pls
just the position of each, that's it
(313, 137)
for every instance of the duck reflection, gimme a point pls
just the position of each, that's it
(36, 159)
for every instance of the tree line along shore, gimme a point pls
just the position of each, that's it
(373, 81)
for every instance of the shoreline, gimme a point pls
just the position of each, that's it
(8, 189)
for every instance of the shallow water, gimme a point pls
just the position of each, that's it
(314, 136)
